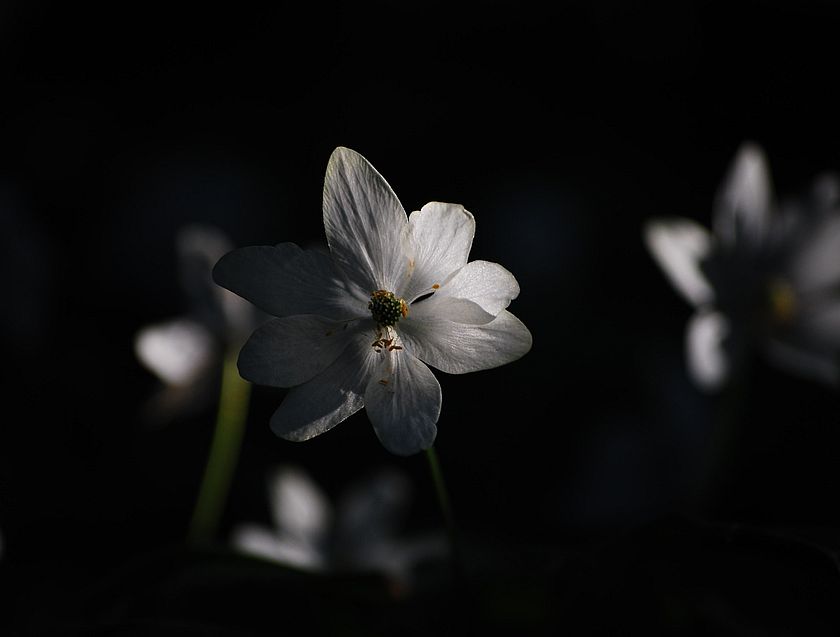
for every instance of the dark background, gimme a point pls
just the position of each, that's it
(574, 471)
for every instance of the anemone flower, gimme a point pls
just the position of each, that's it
(358, 326)
(765, 278)
(359, 534)
(186, 353)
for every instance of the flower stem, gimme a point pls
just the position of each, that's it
(445, 506)
(223, 455)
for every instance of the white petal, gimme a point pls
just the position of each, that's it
(289, 351)
(449, 308)
(819, 366)
(178, 352)
(821, 326)
(284, 280)
(816, 263)
(743, 205)
(261, 542)
(403, 400)
(330, 397)
(457, 348)
(441, 236)
(366, 226)
(298, 506)
(679, 246)
(486, 284)
(708, 362)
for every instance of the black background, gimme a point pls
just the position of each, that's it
(572, 471)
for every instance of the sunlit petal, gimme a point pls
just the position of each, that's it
(299, 508)
(263, 543)
(330, 397)
(442, 235)
(457, 348)
(366, 225)
(403, 401)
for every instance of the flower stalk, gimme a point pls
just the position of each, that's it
(223, 455)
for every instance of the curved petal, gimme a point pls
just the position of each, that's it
(289, 351)
(178, 351)
(298, 506)
(403, 401)
(334, 395)
(457, 348)
(487, 284)
(441, 236)
(708, 361)
(679, 246)
(816, 263)
(261, 542)
(743, 206)
(284, 280)
(449, 308)
(365, 223)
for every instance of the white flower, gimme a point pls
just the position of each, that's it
(764, 278)
(359, 535)
(187, 352)
(357, 326)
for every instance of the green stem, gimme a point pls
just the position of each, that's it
(445, 506)
(223, 455)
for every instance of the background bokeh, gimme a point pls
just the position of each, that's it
(573, 472)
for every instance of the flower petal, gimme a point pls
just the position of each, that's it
(284, 280)
(488, 285)
(820, 366)
(441, 235)
(178, 351)
(679, 246)
(708, 361)
(816, 263)
(369, 512)
(289, 351)
(365, 223)
(298, 506)
(334, 395)
(457, 348)
(743, 206)
(263, 543)
(403, 401)
(449, 308)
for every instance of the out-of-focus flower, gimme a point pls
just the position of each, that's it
(187, 352)
(358, 326)
(766, 277)
(359, 535)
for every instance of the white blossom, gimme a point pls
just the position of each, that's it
(766, 277)
(358, 326)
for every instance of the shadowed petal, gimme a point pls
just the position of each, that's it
(365, 224)
(284, 280)
(457, 348)
(371, 511)
(743, 207)
(816, 264)
(333, 395)
(708, 362)
(441, 235)
(403, 401)
(449, 308)
(679, 246)
(289, 351)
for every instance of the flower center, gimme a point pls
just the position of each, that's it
(386, 308)
(782, 301)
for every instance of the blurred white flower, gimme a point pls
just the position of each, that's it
(187, 352)
(359, 535)
(766, 277)
(358, 326)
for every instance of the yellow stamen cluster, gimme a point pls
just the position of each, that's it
(386, 308)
